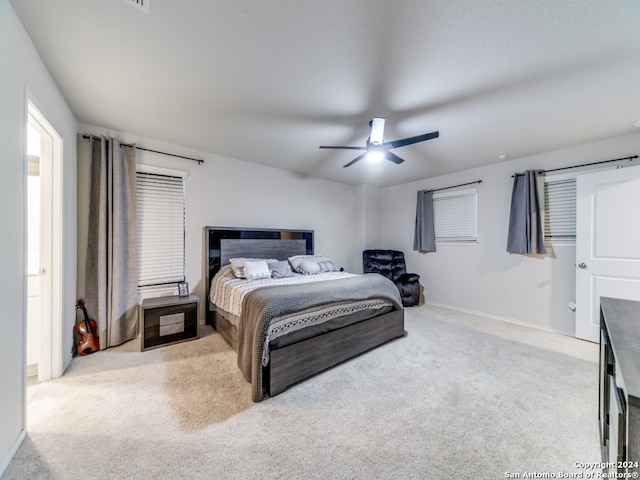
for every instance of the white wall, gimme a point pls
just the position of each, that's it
(369, 218)
(21, 71)
(484, 278)
(232, 193)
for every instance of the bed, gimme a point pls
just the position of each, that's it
(287, 329)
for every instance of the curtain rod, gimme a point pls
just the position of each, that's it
(149, 150)
(584, 165)
(453, 186)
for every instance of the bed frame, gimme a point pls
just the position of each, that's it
(293, 363)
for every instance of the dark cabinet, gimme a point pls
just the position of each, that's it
(619, 385)
(166, 320)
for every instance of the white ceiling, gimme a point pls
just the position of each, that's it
(270, 81)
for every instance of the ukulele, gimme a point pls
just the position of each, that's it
(88, 333)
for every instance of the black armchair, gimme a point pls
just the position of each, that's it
(390, 263)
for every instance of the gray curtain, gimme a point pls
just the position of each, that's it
(112, 263)
(424, 238)
(525, 224)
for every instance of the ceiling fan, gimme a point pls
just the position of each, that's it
(376, 150)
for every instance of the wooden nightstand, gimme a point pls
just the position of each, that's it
(166, 320)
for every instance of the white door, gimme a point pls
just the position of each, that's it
(35, 321)
(607, 245)
(39, 250)
(44, 320)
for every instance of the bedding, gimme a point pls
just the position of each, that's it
(267, 310)
(227, 290)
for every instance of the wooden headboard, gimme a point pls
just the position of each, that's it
(224, 243)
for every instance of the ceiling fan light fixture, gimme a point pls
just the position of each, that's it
(375, 156)
(377, 150)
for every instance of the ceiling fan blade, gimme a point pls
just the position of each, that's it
(343, 148)
(410, 140)
(393, 157)
(357, 159)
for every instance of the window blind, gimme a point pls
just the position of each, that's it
(455, 216)
(560, 210)
(161, 225)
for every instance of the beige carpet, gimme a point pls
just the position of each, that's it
(459, 397)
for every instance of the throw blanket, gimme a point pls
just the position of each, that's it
(228, 291)
(262, 305)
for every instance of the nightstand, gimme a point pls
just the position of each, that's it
(167, 320)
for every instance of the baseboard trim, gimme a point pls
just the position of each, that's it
(11, 453)
(32, 370)
(67, 361)
(501, 319)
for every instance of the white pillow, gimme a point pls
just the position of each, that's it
(308, 267)
(327, 266)
(323, 262)
(237, 265)
(256, 270)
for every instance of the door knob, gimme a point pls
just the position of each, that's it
(582, 265)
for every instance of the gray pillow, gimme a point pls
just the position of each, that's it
(280, 269)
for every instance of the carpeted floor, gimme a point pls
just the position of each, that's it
(459, 397)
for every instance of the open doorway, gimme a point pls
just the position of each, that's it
(44, 249)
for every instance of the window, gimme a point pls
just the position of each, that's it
(455, 216)
(161, 226)
(560, 210)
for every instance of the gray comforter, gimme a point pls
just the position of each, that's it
(262, 305)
